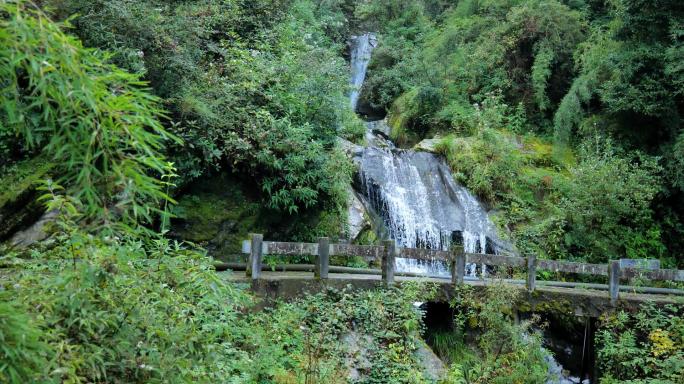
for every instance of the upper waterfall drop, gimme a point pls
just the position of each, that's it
(361, 48)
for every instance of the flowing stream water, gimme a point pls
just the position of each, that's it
(416, 199)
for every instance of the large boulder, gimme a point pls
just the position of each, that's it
(357, 216)
(428, 145)
(433, 367)
(38, 231)
(350, 149)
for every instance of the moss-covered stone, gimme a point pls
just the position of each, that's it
(18, 205)
(367, 237)
(399, 119)
(218, 214)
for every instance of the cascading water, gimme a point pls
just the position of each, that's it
(362, 46)
(414, 193)
(422, 206)
(415, 197)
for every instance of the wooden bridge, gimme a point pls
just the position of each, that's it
(288, 281)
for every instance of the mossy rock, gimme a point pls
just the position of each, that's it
(218, 213)
(19, 207)
(367, 237)
(399, 120)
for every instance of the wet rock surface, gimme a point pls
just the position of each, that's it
(357, 217)
(38, 231)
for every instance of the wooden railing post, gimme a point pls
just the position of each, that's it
(457, 265)
(531, 272)
(389, 261)
(322, 258)
(614, 281)
(255, 255)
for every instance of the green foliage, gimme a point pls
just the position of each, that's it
(22, 352)
(128, 312)
(255, 87)
(19, 178)
(134, 310)
(643, 347)
(526, 57)
(608, 205)
(93, 118)
(504, 352)
(631, 66)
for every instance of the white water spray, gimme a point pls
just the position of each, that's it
(362, 46)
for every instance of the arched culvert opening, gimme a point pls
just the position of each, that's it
(438, 331)
(437, 316)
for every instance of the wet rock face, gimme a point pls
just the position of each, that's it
(37, 232)
(360, 48)
(357, 217)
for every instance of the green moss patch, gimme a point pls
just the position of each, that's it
(22, 177)
(18, 205)
(217, 213)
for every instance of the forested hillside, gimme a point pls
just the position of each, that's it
(142, 140)
(563, 115)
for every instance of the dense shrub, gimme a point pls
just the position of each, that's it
(643, 347)
(256, 88)
(150, 311)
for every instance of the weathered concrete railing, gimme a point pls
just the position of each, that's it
(456, 258)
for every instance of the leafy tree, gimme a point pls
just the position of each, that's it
(255, 88)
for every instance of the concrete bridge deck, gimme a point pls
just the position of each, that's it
(580, 301)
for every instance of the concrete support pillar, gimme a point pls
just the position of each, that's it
(255, 256)
(531, 272)
(389, 261)
(457, 265)
(322, 258)
(614, 281)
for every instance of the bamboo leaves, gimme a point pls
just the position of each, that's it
(93, 118)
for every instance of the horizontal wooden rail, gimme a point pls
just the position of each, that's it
(455, 257)
(508, 261)
(572, 267)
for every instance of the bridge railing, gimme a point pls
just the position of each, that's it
(387, 253)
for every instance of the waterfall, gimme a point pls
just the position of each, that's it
(361, 47)
(422, 206)
(414, 193)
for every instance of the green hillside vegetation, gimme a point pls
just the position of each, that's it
(562, 116)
